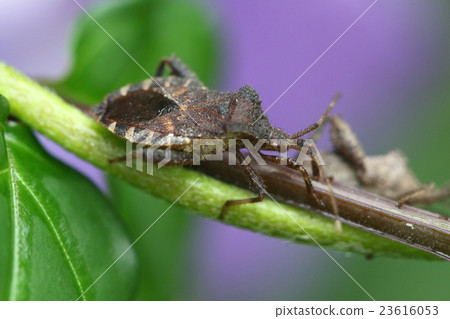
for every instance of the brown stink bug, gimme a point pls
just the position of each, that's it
(172, 111)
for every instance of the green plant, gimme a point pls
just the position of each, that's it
(100, 66)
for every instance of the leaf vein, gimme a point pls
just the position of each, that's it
(58, 236)
(15, 215)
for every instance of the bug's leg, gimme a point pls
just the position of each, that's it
(417, 194)
(176, 68)
(318, 132)
(346, 144)
(427, 194)
(298, 167)
(309, 187)
(313, 126)
(255, 183)
(315, 137)
(337, 222)
(315, 171)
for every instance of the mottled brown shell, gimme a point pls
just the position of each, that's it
(171, 113)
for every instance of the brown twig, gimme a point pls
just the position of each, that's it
(367, 211)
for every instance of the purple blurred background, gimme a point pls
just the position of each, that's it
(384, 66)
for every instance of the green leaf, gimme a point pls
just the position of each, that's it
(4, 110)
(58, 233)
(148, 31)
(161, 251)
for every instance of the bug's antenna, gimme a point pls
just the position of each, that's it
(333, 102)
(316, 165)
(313, 126)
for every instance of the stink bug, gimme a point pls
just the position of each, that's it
(172, 111)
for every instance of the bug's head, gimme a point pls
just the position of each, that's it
(245, 115)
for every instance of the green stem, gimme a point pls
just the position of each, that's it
(47, 113)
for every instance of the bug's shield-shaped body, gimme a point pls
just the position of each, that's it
(171, 111)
